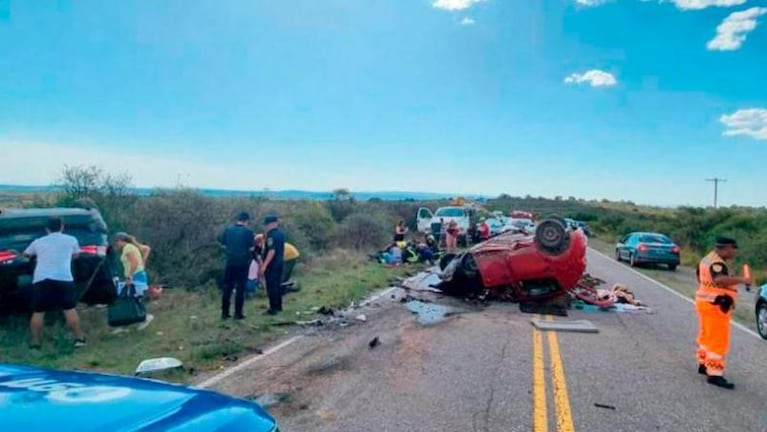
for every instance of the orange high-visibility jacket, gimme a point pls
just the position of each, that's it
(708, 290)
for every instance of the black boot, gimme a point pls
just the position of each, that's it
(721, 382)
(702, 369)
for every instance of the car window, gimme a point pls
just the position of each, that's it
(21, 233)
(450, 212)
(424, 213)
(655, 238)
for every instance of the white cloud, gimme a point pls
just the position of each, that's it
(467, 21)
(454, 5)
(751, 122)
(732, 32)
(594, 77)
(703, 4)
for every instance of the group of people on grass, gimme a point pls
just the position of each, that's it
(53, 286)
(255, 260)
(252, 260)
(424, 249)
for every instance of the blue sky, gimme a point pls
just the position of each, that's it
(458, 96)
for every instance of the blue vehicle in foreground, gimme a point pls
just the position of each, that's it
(36, 399)
(648, 248)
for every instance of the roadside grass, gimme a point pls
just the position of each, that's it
(683, 281)
(187, 324)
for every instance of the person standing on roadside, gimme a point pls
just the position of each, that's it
(451, 240)
(53, 284)
(237, 239)
(715, 301)
(133, 256)
(274, 259)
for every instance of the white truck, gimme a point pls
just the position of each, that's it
(429, 222)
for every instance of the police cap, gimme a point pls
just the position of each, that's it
(722, 242)
(270, 219)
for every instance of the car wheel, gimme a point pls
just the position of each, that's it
(552, 237)
(672, 267)
(632, 260)
(761, 319)
(618, 255)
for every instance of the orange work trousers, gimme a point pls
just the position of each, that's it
(713, 336)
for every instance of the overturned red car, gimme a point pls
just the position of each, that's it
(518, 266)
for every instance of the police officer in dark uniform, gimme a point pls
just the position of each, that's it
(272, 267)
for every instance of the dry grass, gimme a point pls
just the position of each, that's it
(187, 324)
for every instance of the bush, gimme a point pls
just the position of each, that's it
(182, 227)
(316, 224)
(363, 231)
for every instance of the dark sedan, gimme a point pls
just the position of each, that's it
(648, 248)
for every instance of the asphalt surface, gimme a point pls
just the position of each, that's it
(487, 369)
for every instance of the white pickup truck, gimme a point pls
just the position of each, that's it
(428, 221)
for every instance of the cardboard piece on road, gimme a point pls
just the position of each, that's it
(576, 326)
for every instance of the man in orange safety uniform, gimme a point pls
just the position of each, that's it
(715, 301)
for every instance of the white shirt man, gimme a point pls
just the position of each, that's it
(53, 284)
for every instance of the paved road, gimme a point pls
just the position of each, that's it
(486, 369)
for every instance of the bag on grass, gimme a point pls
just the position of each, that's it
(127, 308)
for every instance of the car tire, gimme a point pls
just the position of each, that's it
(552, 237)
(761, 319)
(632, 260)
(672, 267)
(618, 255)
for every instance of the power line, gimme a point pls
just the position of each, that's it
(716, 181)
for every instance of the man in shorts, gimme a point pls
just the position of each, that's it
(53, 284)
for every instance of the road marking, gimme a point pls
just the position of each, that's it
(561, 398)
(671, 290)
(540, 416)
(215, 379)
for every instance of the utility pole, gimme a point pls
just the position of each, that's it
(716, 181)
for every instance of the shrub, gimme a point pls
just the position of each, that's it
(363, 231)
(182, 227)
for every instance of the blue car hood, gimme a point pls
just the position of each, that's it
(35, 399)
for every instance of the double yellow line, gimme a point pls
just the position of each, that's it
(561, 399)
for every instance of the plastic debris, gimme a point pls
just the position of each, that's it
(158, 364)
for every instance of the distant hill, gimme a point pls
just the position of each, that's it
(278, 195)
